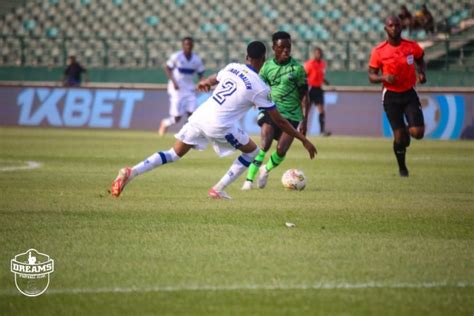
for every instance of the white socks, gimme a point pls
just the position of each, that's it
(163, 157)
(169, 121)
(238, 167)
(155, 160)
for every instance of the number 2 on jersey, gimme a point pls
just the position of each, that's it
(227, 88)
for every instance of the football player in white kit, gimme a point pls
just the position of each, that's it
(181, 68)
(239, 87)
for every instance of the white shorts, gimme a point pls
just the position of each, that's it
(233, 138)
(182, 103)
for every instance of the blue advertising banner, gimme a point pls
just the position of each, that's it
(353, 113)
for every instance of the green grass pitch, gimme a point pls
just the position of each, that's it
(366, 241)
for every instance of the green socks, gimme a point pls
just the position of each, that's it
(274, 161)
(255, 165)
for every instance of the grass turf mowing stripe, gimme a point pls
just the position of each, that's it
(29, 166)
(316, 286)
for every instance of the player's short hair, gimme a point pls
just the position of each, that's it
(392, 17)
(280, 35)
(256, 50)
(187, 38)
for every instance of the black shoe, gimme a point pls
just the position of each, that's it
(326, 134)
(403, 172)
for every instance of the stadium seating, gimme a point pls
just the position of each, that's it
(142, 33)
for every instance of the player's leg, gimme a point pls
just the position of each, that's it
(417, 132)
(277, 157)
(322, 118)
(190, 104)
(249, 152)
(319, 101)
(160, 158)
(400, 142)
(188, 137)
(174, 113)
(395, 113)
(414, 115)
(157, 159)
(416, 129)
(267, 133)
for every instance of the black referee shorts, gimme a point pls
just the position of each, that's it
(263, 117)
(403, 105)
(316, 95)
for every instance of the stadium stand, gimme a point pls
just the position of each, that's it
(142, 33)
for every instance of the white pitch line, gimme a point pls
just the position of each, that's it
(29, 165)
(245, 287)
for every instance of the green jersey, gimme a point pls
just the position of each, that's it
(288, 83)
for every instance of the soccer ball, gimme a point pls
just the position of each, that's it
(294, 179)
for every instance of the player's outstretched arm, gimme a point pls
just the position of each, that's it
(205, 85)
(290, 130)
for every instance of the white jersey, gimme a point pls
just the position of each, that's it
(240, 87)
(183, 70)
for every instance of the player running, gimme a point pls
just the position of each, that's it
(239, 87)
(287, 80)
(396, 58)
(180, 69)
(316, 72)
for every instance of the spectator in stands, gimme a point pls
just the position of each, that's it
(424, 20)
(73, 73)
(406, 18)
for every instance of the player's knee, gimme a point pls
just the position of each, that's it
(418, 133)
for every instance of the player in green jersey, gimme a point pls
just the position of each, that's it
(289, 91)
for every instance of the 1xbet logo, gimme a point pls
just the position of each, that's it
(77, 107)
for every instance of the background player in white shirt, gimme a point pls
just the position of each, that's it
(216, 122)
(181, 68)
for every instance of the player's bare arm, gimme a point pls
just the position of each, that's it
(205, 85)
(421, 66)
(287, 128)
(375, 77)
(305, 109)
(169, 74)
